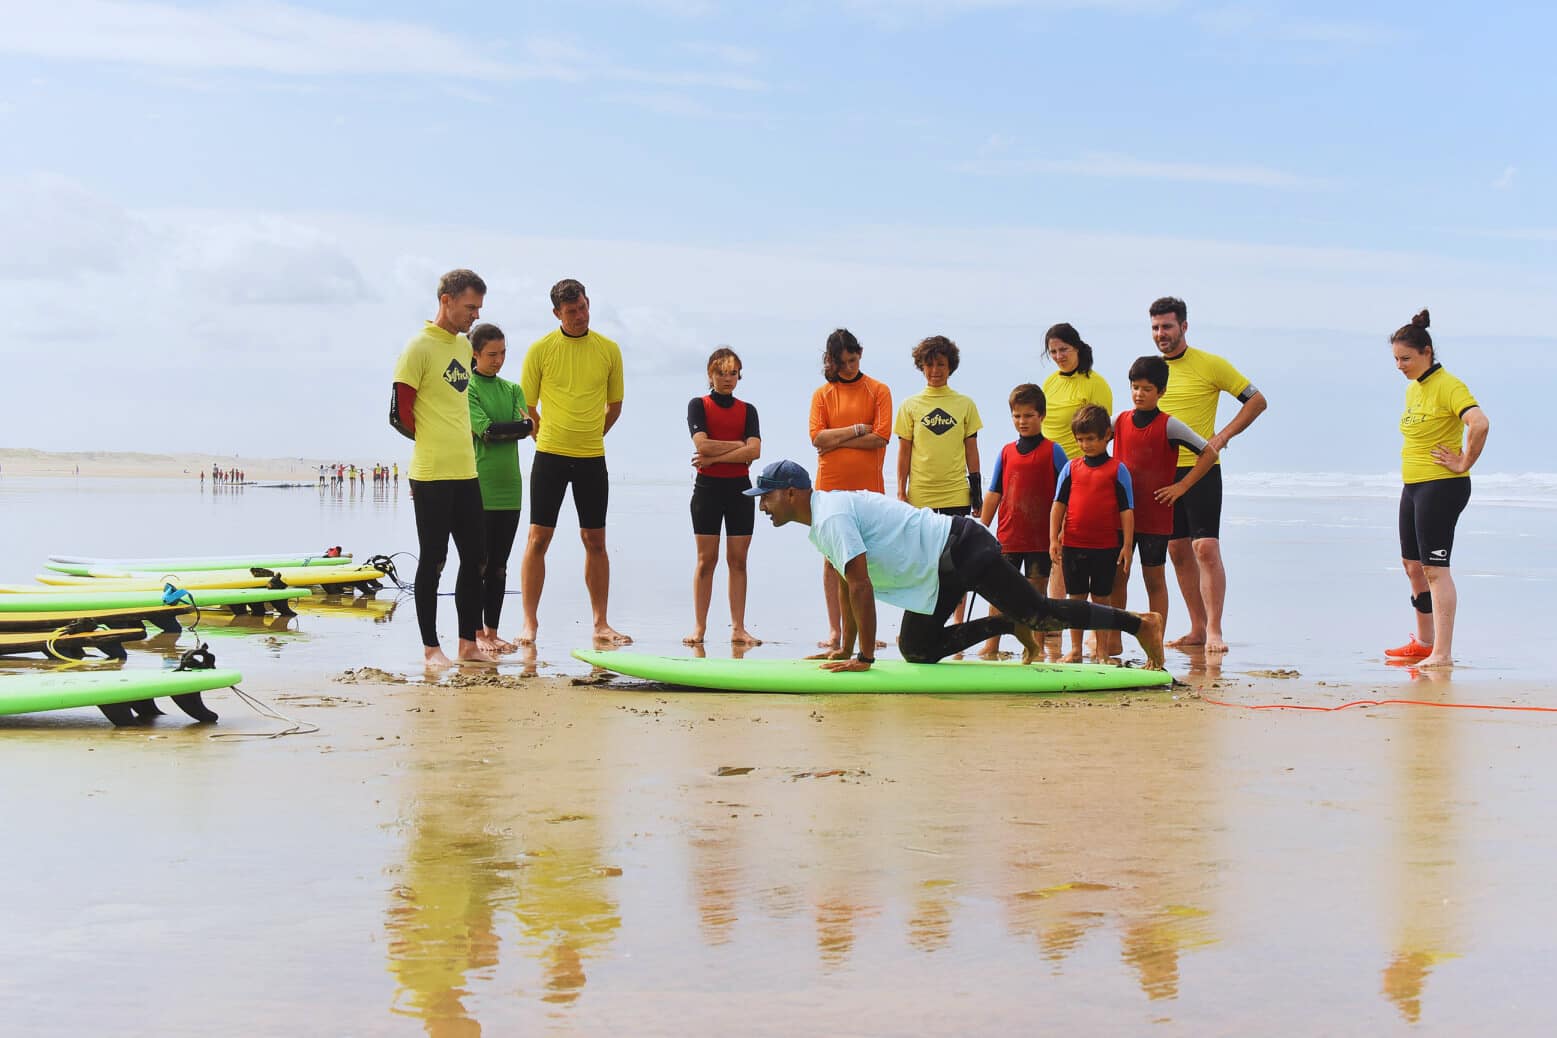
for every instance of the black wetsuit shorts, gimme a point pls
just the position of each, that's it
(721, 501)
(1428, 514)
(550, 477)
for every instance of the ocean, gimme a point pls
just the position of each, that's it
(1314, 578)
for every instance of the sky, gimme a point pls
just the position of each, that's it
(221, 222)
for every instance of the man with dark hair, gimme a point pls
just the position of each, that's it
(924, 563)
(1196, 382)
(572, 378)
(429, 406)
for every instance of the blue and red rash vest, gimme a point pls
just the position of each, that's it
(1153, 463)
(1094, 495)
(1025, 483)
(725, 423)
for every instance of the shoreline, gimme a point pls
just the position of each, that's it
(30, 463)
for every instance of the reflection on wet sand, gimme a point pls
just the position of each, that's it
(484, 839)
(1424, 852)
(1068, 830)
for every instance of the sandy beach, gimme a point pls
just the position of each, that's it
(496, 854)
(500, 853)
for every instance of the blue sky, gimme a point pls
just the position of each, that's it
(204, 200)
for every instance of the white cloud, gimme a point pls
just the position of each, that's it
(1265, 22)
(56, 230)
(257, 36)
(727, 53)
(1104, 164)
(284, 39)
(1505, 180)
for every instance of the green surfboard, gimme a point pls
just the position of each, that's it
(82, 566)
(86, 600)
(121, 695)
(951, 677)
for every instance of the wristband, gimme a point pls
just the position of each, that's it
(864, 658)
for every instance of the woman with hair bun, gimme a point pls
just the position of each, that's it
(1072, 387)
(1444, 430)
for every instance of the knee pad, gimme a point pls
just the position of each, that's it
(1423, 602)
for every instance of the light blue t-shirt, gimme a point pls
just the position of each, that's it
(902, 544)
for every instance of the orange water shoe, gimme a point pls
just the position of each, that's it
(1412, 650)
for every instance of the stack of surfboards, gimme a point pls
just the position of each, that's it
(333, 575)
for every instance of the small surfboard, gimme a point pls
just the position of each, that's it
(123, 696)
(86, 599)
(950, 677)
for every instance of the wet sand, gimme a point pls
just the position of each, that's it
(507, 855)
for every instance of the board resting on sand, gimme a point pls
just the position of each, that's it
(951, 677)
(124, 696)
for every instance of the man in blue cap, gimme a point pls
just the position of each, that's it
(925, 564)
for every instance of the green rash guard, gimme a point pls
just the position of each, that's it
(493, 399)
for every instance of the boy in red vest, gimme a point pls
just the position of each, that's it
(1092, 523)
(1021, 493)
(1147, 442)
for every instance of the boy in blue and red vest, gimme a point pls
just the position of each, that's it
(1021, 493)
(1092, 523)
(1147, 442)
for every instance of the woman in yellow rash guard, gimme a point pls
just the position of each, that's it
(1435, 465)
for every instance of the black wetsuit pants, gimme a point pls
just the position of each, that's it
(972, 561)
(501, 526)
(445, 508)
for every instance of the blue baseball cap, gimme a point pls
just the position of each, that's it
(781, 475)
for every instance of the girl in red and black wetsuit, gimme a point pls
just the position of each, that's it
(727, 439)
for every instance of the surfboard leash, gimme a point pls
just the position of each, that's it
(202, 658)
(1382, 702)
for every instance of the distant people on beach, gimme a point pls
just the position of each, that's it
(499, 419)
(726, 439)
(1444, 431)
(572, 378)
(1196, 382)
(937, 435)
(850, 426)
(429, 406)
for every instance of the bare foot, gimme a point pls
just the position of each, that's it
(1435, 662)
(741, 636)
(832, 641)
(434, 658)
(999, 654)
(695, 638)
(1032, 649)
(472, 652)
(1214, 642)
(1073, 656)
(526, 635)
(1150, 637)
(1192, 639)
(606, 634)
(495, 646)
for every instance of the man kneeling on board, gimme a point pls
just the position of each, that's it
(925, 564)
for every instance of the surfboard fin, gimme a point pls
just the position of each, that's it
(194, 706)
(121, 714)
(145, 708)
(284, 607)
